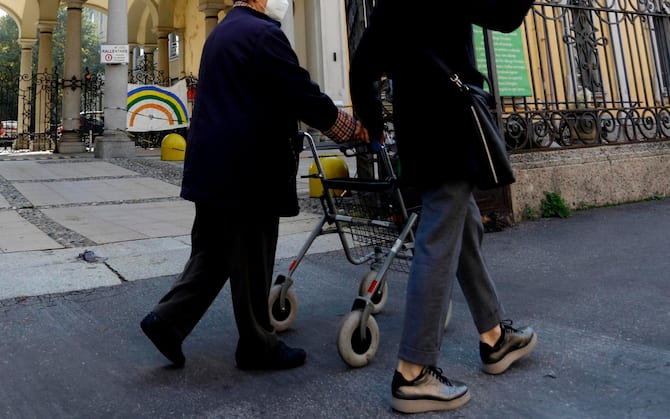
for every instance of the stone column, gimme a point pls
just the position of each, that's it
(164, 52)
(288, 24)
(178, 67)
(44, 71)
(70, 142)
(211, 10)
(132, 51)
(44, 57)
(115, 142)
(25, 94)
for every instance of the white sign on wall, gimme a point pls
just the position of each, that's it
(114, 54)
(174, 51)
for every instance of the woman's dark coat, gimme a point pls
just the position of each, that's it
(429, 117)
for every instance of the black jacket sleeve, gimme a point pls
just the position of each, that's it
(368, 64)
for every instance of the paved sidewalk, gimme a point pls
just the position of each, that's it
(128, 213)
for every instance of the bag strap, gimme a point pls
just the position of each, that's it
(447, 70)
(455, 78)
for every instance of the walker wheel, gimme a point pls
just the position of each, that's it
(353, 350)
(380, 296)
(280, 318)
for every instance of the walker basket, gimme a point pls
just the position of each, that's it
(376, 221)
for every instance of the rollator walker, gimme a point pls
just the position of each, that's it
(374, 226)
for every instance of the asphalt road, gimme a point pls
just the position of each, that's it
(595, 287)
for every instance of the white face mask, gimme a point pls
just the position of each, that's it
(276, 9)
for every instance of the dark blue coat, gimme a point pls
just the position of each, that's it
(251, 94)
(429, 117)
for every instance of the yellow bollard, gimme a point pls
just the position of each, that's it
(334, 167)
(173, 147)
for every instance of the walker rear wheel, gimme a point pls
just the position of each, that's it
(379, 297)
(282, 318)
(354, 350)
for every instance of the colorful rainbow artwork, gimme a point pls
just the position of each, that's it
(156, 108)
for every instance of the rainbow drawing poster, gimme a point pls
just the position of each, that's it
(157, 108)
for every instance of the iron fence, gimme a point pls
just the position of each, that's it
(598, 73)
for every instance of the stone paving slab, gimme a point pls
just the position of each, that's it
(3, 202)
(18, 235)
(149, 258)
(62, 270)
(57, 169)
(290, 245)
(36, 273)
(115, 223)
(98, 190)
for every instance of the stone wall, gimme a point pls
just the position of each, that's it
(595, 176)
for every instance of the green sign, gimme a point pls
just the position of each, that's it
(511, 65)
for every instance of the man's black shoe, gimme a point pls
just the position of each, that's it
(281, 358)
(163, 338)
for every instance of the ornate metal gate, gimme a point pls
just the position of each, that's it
(34, 101)
(9, 98)
(91, 117)
(32, 104)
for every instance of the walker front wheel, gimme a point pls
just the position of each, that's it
(282, 317)
(354, 349)
(379, 297)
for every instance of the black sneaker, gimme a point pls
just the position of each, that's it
(429, 391)
(281, 358)
(163, 338)
(512, 345)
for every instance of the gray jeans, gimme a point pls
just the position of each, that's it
(448, 247)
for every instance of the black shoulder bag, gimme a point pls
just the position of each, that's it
(495, 169)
